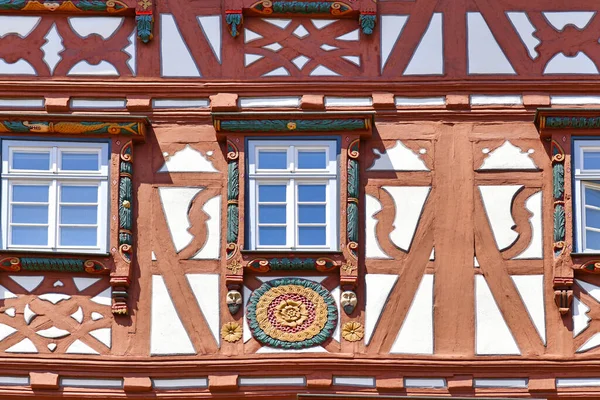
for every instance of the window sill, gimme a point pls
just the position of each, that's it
(594, 254)
(286, 260)
(292, 252)
(44, 253)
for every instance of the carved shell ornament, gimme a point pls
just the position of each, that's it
(292, 313)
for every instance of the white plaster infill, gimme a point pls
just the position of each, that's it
(97, 103)
(22, 103)
(332, 101)
(91, 383)
(574, 100)
(501, 100)
(439, 101)
(359, 381)
(272, 381)
(180, 103)
(179, 383)
(515, 383)
(269, 102)
(14, 380)
(577, 382)
(425, 383)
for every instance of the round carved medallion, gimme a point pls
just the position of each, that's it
(291, 313)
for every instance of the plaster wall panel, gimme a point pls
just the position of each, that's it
(20, 67)
(24, 346)
(176, 204)
(419, 101)
(590, 288)
(397, 158)
(85, 68)
(175, 58)
(22, 103)
(508, 156)
(497, 200)
(270, 102)
(84, 283)
(52, 48)
(179, 383)
(590, 344)
(580, 63)
(336, 293)
(211, 248)
(560, 19)
(535, 249)
(372, 246)
(504, 100)
(531, 290)
(271, 350)
(409, 202)
(167, 333)
(580, 318)
(493, 337)
(484, 52)
(577, 382)
(102, 26)
(206, 291)
(574, 100)
(188, 159)
(416, 333)
(18, 25)
(428, 58)
(526, 31)
(180, 103)
(211, 27)
(131, 51)
(391, 29)
(378, 289)
(29, 283)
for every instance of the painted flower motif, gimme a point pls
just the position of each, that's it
(231, 332)
(291, 313)
(291, 126)
(353, 331)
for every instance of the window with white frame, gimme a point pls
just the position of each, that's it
(293, 195)
(586, 162)
(54, 196)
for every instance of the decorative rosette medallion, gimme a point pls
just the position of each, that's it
(292, 313)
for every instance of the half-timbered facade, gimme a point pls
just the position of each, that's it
(299, 199)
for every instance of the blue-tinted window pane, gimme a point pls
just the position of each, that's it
(312, 160)
(79, 194)
(311, 214)
(272, 193)
(70, 236)
(29, 235)
(36, 161)
(592, 218)
(271, 235)
(592, 240)
(312, 236)
(30, 193)
(311, 192)
(78, 214)
(591, 159)
(271, 214)
(29, 214)
(272, 160)
(79, 161)
(592, 196)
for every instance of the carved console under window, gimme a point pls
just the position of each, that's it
(72, 245)
(365, 11)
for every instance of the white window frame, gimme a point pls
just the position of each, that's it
(54, 177)
(291, 177)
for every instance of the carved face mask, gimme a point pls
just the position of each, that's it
(234, 301)
(349, 301)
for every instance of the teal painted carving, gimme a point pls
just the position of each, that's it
(70, 128)
(295, 264)
(572, 122)
(353, 195)
(558, 178)
(292, 313)
(145, 23)
(302, 7)
(367, 23)
(559, 223)
(47, 264)
(110, 7)
(286, 125)
(233, 192)
(234, 21)
(126, 201)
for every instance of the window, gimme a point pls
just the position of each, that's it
(54, 196)
(586, 157)
(293, 195)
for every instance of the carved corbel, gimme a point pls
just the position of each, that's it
(563, 294)
(144, 18)
(234, 20)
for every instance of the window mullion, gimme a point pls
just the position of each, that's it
(53, 214)
(292, 236)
